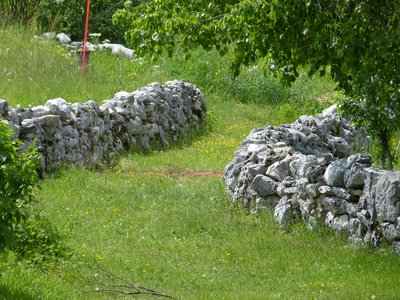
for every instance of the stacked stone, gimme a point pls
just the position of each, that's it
(305, 171)
(86, 133)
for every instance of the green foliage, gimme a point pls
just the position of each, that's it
(18, 180)
(39, 243)
(69, 17)
(18, 10)
(355, 41)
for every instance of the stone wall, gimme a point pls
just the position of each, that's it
(86, 133)
(305, 171)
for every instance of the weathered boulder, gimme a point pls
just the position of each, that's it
(334, 174)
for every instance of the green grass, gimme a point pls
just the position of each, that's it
(34, 70)
(164, 221)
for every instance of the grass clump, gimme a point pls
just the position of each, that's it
(163, 220)
(39, 243)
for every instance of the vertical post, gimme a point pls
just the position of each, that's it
(85, 37)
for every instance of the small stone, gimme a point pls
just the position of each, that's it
(3, 107)
(326, 190)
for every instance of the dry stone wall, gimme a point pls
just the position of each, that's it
(86, 133)
(305, 171)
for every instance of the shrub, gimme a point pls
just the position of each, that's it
(18, 182)
(38, 242)
(20, 10)
(69, 17)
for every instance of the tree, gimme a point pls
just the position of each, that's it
(355, 41)
(18, 179)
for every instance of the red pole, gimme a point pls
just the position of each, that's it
(85, 37)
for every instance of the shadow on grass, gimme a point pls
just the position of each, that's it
(7, 294)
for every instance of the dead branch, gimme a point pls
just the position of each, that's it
(117, 284)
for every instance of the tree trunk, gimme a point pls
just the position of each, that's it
(386, 152)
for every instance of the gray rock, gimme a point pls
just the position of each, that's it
(345, 194)
(330, 111)
(312, 190)
(264, 186)
(390, 232)
(387, 200)
(396, 248)
(326, 190)
(360, 158)
(339, 224)
(117, 49)
(334, 174)
(280, 169)
(340, 146)
(63, 38)
(135, 126)
(365, 217)
(333, 204)
(39, 111)
(357, 228)
(49, 35)
(354, 177)
(3, 107)
(367, 200)
(305, 208)
(267, 202)
(284, 215)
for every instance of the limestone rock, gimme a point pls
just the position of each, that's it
(334, 174)
(3, 107)
(387, 199)
(63, 38)
(49, 35)
(264, 186)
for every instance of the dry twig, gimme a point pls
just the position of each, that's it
(116, 284)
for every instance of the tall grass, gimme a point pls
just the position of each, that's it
(35, 70)
(163, 220)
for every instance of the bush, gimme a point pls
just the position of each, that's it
(39, 243)
(70, 16)
(21, 10)
(18, 182)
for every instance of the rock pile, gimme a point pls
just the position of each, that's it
(86, 133)
(305, 171)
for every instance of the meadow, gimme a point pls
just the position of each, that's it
(162, 219)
